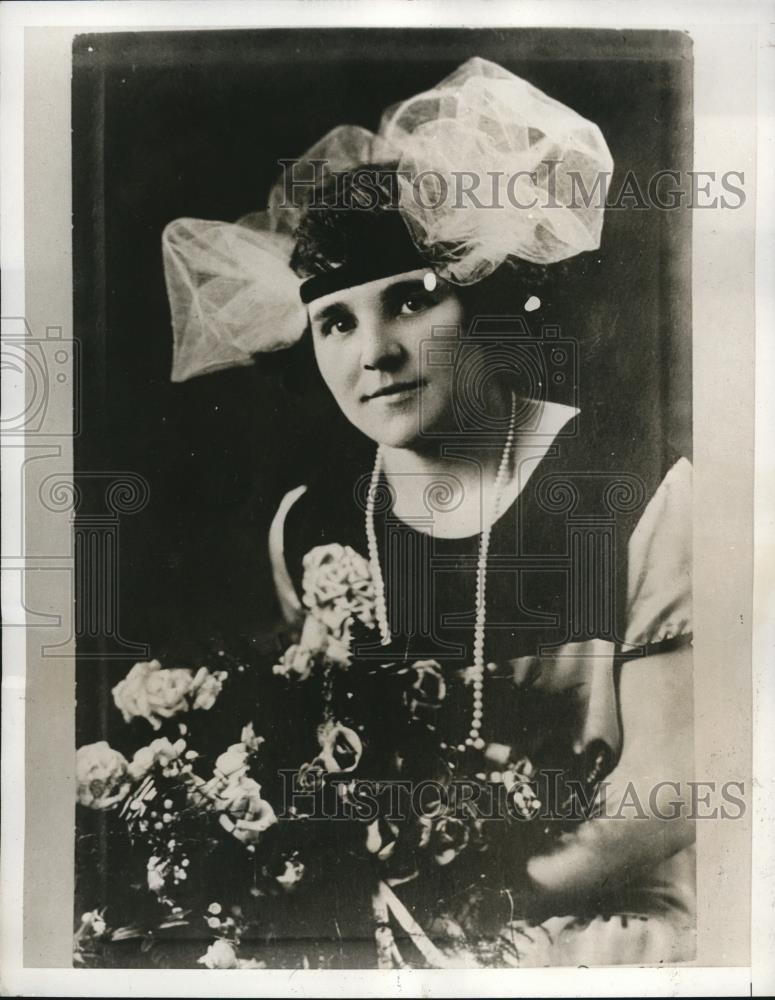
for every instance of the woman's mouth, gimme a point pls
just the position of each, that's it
(397, 392)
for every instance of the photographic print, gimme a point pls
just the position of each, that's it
(381, 605)
(397, 351)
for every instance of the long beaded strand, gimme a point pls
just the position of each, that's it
(477, 672)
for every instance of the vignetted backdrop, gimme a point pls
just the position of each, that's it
(192, 124)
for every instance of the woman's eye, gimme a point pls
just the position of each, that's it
(415, 304)
(341, 325)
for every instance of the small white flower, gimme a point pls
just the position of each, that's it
(155, 874)
(249, 738)
(206, 687)
(293, 874)
(295, 662)
(220, 955)
(95, 921)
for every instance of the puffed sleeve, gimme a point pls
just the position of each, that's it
(286, 594)
(659, 579)
(659, 612)
(656, 735)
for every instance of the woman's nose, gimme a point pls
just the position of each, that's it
(380, 351)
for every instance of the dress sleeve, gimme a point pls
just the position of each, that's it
(659, 579)
(286, 594)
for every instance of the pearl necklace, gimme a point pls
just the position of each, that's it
(380, 608)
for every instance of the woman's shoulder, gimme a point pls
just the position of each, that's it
(659, 575)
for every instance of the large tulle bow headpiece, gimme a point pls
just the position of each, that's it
(488, 167)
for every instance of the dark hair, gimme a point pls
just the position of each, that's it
(346, 217)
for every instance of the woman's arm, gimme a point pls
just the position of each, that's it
(290, 605)
(656, 697)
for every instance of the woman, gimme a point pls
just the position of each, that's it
(539, 579)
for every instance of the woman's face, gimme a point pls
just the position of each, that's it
(371, 344)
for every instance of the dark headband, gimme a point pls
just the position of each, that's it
(390, 251)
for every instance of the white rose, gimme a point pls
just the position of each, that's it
(158, 752)
(152, 693)
(148, 692)
(337, 584)
(240, 795)
(220, 955)
(335, 616)
(102, 775)
(248, 814)
(322, 580)
(232, 762)
(341, 748)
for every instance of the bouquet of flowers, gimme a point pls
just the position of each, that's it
(280, 848)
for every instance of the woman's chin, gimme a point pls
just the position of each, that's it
(389, 438)
(394, 432)
(410, 428)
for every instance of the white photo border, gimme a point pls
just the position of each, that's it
(717, 31)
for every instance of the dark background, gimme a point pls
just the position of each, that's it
(192, 124)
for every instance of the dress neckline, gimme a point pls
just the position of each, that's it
(554, 417)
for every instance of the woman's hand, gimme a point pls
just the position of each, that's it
(656, 697)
